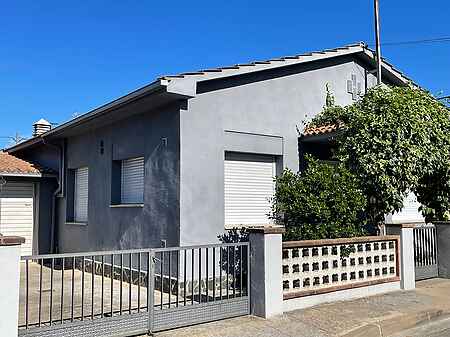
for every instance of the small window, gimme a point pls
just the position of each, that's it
(81, 194)
(132, 181)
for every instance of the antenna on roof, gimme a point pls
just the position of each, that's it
(377, 39)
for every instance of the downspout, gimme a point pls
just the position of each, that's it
(56, 194)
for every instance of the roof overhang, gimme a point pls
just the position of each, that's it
(150, 97)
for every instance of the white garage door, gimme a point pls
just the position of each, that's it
(16, 212)
(249, 186)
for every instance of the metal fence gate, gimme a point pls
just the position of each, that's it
(425, 252)
(130, 292)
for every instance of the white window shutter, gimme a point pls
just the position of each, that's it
(249, 185)
(132, 184)
(81, 194)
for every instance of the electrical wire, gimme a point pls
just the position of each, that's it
(444, 39)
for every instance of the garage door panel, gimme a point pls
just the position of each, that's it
(248, 187)
(16, 212)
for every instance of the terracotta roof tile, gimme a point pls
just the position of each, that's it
(13, 165)
(319, 130)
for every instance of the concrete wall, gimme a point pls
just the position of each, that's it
(126, 227)
(9, 290)
(271, 104)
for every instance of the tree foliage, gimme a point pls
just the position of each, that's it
(396, 140)
(324, 201)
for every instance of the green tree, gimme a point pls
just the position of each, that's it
(396, 140)
(324, 201)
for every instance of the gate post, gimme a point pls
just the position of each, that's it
(443, 248)
(266, 284)
(9, 284)
(407, 263)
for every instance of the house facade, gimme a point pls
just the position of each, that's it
(185, 158)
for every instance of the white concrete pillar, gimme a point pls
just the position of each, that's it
(9, 284)
(407, 263)
(266, 284)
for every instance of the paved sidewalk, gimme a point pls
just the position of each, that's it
(382, 315)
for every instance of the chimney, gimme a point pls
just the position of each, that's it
(40, 127)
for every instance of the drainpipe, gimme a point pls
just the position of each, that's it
(57, 193)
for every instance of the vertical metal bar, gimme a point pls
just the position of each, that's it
(435, 246)
(423, 247)
(121, 284)
(220, 272)
(139, 283)
(228, 272)
(214, 273)
(207, 274)
(162, 279)
(27, 285)
(92, 286)
(415, 246)
(130, 283)
(73, 289)
(234, 271)
(199, 275)
(184, 276)
(111, 274)
(192, 276)
(170, 276)
(103, 286)
(62, 288)
(247, 268)
(241, 260)
(51, 291)
(149, 267)
(40, 292)
(177, 254)
(419, 249)
(82, 289)
(150, 290)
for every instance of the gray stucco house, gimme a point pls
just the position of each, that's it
(187, 156)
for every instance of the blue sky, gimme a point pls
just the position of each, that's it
(58, 58)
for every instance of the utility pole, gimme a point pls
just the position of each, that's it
(377, 39)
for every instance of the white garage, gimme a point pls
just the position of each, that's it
(17, 212)
(18, 179)
(249, 186)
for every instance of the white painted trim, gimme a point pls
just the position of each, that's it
(127, 206)
(76, 223)
(30, 175)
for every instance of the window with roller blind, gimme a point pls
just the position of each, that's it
(81, 194)
(132, 181)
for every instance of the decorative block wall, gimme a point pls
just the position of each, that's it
(319, 266)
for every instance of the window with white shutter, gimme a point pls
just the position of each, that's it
(249, 186)
(81, 194)
(132, 181)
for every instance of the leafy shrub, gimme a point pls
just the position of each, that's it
(324, 201)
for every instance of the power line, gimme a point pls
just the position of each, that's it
(445, 39)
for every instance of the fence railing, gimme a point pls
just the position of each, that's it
(201, 274)
(320, 266)
(63, 288)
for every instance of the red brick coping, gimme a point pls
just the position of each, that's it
(329, 242)
(11, 240)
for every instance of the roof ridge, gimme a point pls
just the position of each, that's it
(262, 62)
